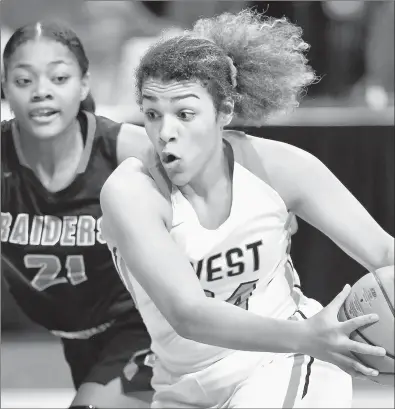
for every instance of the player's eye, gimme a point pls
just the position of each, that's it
(60, 79)
(151, 115)
(23, 82)
(186, 115)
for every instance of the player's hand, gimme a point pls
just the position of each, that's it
(330, 339)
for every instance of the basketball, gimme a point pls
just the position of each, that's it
(374, 293)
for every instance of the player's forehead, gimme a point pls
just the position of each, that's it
(42, 52)
(154, 90)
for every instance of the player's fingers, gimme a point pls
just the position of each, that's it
(338, 301)
(365, 349)
(358, 375)
(354, 367)
(354, 323)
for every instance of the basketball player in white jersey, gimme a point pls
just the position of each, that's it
(200, 230)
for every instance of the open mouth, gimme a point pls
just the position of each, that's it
(169, 158)
(43, 113)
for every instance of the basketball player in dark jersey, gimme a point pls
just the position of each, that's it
(55, 157)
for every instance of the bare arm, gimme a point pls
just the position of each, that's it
(133, 141)
(312, 192)
(137, 215)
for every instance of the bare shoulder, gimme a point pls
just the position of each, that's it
(132, 192)
(133, 141)
(275, 152)
(272, 155)
(245, 145)
(282, 165)
(122, 181)
(130, 179)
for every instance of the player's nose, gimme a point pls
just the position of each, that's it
(168, 130)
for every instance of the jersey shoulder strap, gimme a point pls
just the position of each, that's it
(245, 153)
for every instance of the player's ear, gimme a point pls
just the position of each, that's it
(85, 86)
(225, 115)
(3, 84)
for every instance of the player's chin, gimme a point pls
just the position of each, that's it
(48, 131)
(179, 179)
(177, 173)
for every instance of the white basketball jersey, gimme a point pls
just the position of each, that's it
(245, 262)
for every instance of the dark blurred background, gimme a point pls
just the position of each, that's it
(352, 42)
(346, 119)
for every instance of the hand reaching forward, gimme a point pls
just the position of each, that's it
(329, 339)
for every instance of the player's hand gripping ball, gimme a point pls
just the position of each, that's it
(374, 293)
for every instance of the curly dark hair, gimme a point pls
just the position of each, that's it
(268, 56)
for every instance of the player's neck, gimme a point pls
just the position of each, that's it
(52, 154)
(210, 194)
(213, 180)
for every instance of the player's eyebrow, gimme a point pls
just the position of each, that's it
(172, 99)
(29, 66)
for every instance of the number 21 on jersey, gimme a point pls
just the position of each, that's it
(49, 267)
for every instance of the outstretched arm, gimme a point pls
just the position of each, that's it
(312, 192)
(137, 217)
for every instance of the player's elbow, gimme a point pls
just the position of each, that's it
(379, 253)
(183, 319)
(194, 322)
(386, 255)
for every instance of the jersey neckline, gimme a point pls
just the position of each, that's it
(88, 127)
(229, 154)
